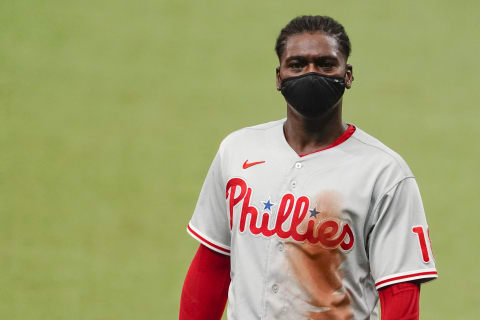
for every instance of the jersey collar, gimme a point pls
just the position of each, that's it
(344, 137)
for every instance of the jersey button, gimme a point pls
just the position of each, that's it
(298, 165)
(293, 184)
(281, 247)
(275, 288)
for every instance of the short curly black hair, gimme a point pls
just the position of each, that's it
(312, 24)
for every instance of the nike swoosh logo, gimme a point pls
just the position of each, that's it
(248, 165)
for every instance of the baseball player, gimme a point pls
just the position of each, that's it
(308, 217)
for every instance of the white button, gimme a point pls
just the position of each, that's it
(281, 247)
(298, 165)
(293, 184)
(275, 288)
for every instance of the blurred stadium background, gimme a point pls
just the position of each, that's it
(111, 112)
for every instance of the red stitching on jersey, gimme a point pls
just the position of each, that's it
(419, 274)
(206, 241)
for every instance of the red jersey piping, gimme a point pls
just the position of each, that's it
(206, 242)
(347, 134)
(418, 275)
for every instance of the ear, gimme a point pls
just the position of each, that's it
(349, 76)
(278, 79)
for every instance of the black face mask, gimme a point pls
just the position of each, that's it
(313, 94)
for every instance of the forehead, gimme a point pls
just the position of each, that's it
(312, 45)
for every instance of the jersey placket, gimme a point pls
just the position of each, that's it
(276, 284)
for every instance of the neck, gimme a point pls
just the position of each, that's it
(308, 135)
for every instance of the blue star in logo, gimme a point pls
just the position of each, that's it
(314, 212)
(268, 205)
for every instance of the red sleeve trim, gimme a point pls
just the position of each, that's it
(208, 243)
(397, 278)
(344, 137)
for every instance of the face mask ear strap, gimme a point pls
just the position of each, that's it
(346, 73)
(345, 80)
(281, 80)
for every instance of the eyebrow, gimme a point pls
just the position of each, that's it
(302, 58)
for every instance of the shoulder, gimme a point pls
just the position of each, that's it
(372, 150)
(249, 135)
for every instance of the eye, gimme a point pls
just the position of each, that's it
(326, 66)
(295, 65)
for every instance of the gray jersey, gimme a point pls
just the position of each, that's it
(314, 236)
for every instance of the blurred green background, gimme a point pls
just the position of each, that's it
(111, 112)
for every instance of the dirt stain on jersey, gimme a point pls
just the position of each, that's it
(316, 269)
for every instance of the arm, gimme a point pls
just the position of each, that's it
(400, 250)
(205, 289)
(400, 301)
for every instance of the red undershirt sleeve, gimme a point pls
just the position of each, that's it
(205, 289)
(400, 301)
